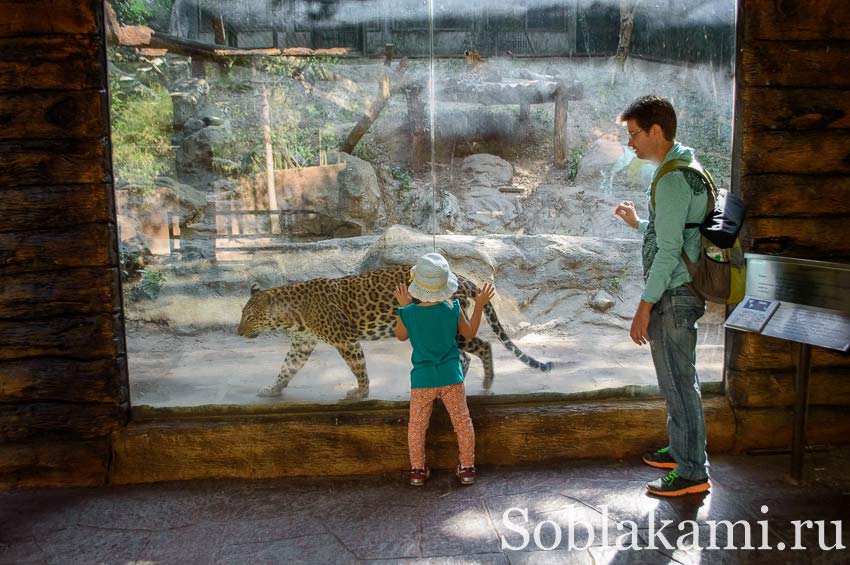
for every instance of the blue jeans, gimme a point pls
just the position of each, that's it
(673, 341)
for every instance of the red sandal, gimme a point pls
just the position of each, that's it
(466, 475)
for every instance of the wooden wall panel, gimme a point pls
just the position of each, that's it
(780, 195)
(53, 115)
(800, 64)
(761, 428)
(806, 238)
(46, 379)
(796, 20)
(74, 337)
(50, 63)
(90, 245)
(47, 463)
(56, 293)
(40, 162)
(758, 353)
(793, 138)
(796, 152)
(63, 380)
(346, 443)
(750, 389)
(57, 420)
(796, 109)
(54, 207)
(47, 16)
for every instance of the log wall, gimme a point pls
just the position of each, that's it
(793, 160)
(63, 376)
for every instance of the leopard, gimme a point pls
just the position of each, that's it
(344, 311)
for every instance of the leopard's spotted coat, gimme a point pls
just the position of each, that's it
(345, 310)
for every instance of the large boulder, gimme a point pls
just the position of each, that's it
(337, 200)
(484, 169)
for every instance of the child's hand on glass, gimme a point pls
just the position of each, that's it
(484, 294)
(402, 295)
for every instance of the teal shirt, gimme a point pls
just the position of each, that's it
(432, 330)
(676, 203)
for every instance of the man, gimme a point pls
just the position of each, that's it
(668, 310)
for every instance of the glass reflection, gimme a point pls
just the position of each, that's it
(275, 142)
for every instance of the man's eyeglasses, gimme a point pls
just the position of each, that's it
(632, 134)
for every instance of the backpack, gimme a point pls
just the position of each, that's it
(719, 274)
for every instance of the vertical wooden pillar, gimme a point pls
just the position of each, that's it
(63, 366)
(561, 149)
(416, 126)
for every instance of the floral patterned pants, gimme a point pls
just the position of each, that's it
(421, 405)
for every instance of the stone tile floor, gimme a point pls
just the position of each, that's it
(380, 519)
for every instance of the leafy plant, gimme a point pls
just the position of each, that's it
(404, 178)
(150, 285)
(141, 136)
(614, 284)
(576, 154)
(153, 13)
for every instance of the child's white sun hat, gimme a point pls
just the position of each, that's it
(433, 280)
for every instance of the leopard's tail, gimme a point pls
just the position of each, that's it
(496, 325)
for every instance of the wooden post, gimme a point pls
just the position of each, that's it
(269, 151)
(415, 126)
(388, 54)
(372, 113)
(524, 110)
(561, 126)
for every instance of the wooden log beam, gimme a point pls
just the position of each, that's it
(754, 352)
(57, 420)
(386, 86)
(39, 162)
(54, 463)
(48, 17)
(781, 195)
(824, 19)
(339, 442)
(760, 389)
(56, 293)
(796, 152)
(71, 337)
(796, 108)
(802, 64)
(761, 428)
(806, 238)
(29, 208)
(143, 37)
(89, 245)
(50, 63)
(49, 379)
(52, 115)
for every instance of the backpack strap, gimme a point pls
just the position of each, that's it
(695, 166)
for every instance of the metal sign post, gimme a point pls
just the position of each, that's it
(801, 301)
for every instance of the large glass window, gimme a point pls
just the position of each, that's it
(272, 143)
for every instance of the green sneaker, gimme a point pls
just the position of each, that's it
(661, 459)
(674, 485)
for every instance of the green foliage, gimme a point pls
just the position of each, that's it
(576, 153)
(150, 285)
(404, 178)
(141, 135)
(614, 284)
(152, 13)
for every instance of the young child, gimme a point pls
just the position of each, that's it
(432, 326)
